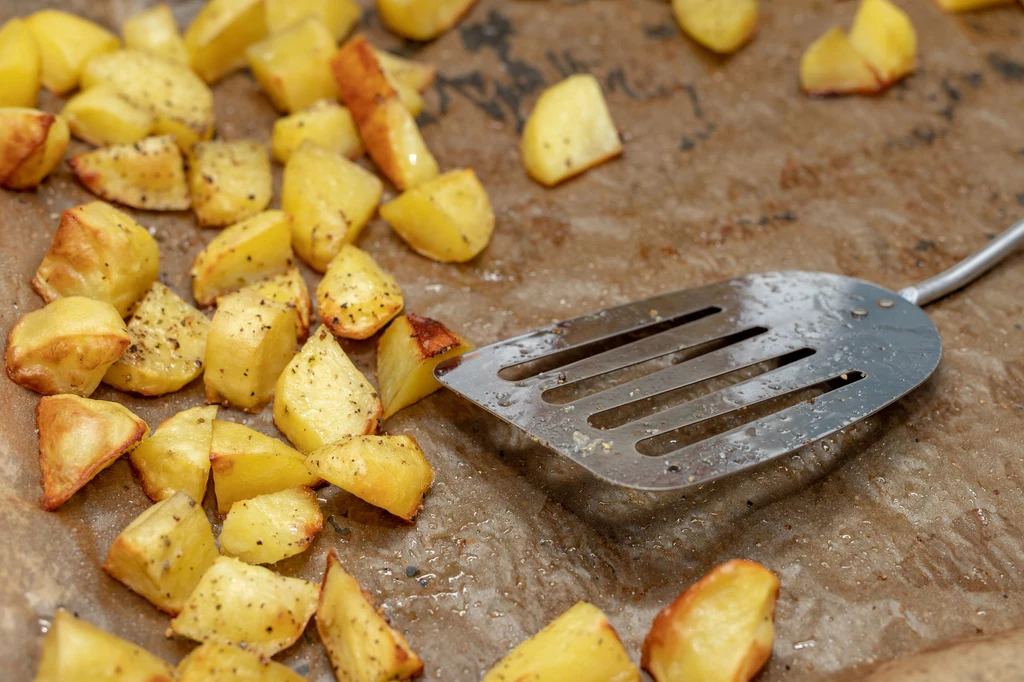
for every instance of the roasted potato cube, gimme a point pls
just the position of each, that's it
(272, 527)
(102, 116)
(448, 219)
(364, 82)
(217, 38)
(389, 472)
(246, 252)
(339, 16)
(580, 645)
(361, 645)
(407, 353)
(289, 288)
(356, 297)
(155, 31)
(723, 26)
(149, 174)
(208, 663)
(66, 346)
(251, 340)
(31, 146)
(177, 455)
(247, 464)
(569, 131)
(720, 629)
(66, 42)
(237, 603)
(78, 438)
(321, 396)
(884, 36)
(77, 650)
(422, 19)
(168, 345)
(101, 253)
(831, 66)
(325, 124)
(164, 552)
(19, 65)
(293, 66)
(230, 181)
(412, 74)
(179, 101)
(970, 5)
(331, 199)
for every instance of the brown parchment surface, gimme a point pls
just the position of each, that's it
(903, 534)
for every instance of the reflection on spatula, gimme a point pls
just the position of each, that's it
(685, 387)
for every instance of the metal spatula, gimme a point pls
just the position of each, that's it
(619, 391)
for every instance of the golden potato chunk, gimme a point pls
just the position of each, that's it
(389, 472)
(168, 345)
(32, 145)
(208, 663)
(230, 181)
(321, 396)
(289, 288)
(66, 42)
(569, 131)
(381, 108)
(293, 66)
(325, 124)
(155, 31)
(412, 74)
(883, 35)
(19, 65)
(422, 19)
(580, 645)
(723, 26)
(101, 253)
(407, 353)
(970, 5)
(360, 644)
(235, 602)
(721, 629)
(66, 346)
(102, 116)
(448, 219)
(339, 16)
(78, 438)
(251, 340)
(831, 66)
(247, 464)
(149, 174)
(217, 38)
(177, 455)
(356, 297)
(272, 527)
(77, 650)
(164, 552)
(331, 199)
(242, 254)
(179, 101)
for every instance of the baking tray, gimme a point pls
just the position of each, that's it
(896, 536)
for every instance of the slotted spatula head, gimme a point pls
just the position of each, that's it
(638, 393)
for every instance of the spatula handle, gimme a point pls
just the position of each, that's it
(967, 270)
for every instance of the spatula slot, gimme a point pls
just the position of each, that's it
(571, 392)
(571, 354)
(652, 405)
(677, 439)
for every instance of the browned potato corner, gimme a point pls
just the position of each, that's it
(32, 145)
(78, 438)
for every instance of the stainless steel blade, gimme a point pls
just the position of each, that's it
(845, 328)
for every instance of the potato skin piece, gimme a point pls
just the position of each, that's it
(66, 346)
(76, 650)
(677, 649)
(78, 438)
